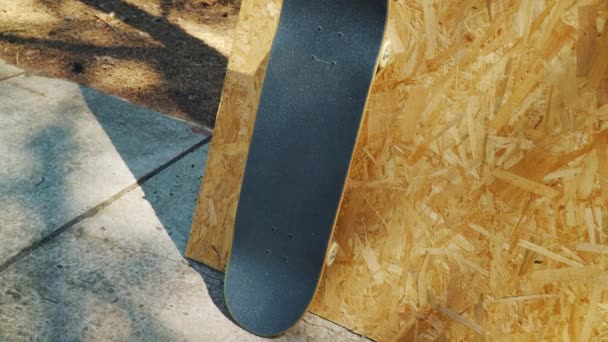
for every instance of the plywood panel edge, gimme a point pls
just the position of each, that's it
(211, 233)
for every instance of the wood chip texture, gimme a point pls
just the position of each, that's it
(477, 204)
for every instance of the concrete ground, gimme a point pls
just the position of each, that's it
(96, 201)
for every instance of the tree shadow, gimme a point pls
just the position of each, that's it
(192, 72)
(177, 48)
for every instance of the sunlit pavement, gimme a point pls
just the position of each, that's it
(96, 201)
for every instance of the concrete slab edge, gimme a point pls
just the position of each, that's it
(96, 209)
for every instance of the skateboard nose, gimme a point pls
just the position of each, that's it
(264, 303)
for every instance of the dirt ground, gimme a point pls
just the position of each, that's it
(168, 55)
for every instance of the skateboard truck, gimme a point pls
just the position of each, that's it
(332, 253)
(386, 54)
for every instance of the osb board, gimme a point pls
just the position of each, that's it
(477, 204)
(214, 218)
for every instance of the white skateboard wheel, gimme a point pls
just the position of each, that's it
(332, 253)
(385, 53)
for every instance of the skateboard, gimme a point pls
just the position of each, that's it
(323, 59)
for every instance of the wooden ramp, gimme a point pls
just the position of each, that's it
(478, 197)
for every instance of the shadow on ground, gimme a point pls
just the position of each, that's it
(191, 72)
(74, 287)
(189, 66)
(66, 274)
(175, 200)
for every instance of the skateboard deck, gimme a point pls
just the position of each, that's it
(321, 66)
